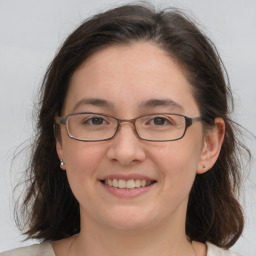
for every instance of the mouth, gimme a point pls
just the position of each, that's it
(127, 184)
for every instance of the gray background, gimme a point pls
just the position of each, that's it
(30, 33)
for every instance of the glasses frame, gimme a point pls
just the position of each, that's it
(188, 122)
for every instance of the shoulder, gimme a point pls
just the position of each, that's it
(213, 250)
(43, 249)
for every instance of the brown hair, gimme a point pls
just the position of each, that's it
(214, 214)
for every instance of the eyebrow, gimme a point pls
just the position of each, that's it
(152, 103)
(93, 101)
(161, 103)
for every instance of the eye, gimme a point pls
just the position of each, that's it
(95, 120)
(159, 121)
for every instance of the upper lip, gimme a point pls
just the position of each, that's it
(127, 177)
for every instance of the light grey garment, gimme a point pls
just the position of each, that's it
(213, 250)
(45, 249)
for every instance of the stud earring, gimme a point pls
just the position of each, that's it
(204, 166)
(62, 162)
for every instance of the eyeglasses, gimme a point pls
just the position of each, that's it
(88, 126)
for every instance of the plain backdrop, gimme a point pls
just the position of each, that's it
(30, 34)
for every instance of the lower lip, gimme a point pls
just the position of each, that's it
(128, 193)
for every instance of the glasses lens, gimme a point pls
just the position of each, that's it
(91, 126)
(161, 127)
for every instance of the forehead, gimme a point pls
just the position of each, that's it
(130, 74)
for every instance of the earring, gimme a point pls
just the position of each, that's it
(62, 162)
(204, 166)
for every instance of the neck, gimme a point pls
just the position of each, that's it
(162, 240)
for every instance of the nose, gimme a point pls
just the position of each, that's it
(126, 147)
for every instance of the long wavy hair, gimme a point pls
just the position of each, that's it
(49, 210)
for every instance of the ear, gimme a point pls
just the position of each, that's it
(59, 150)
(212, 145)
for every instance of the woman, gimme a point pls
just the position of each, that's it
(136, 153)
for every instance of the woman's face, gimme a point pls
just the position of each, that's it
(124, 79)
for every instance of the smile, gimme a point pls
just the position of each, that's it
(127, 184)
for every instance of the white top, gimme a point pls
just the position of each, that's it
(45, 249)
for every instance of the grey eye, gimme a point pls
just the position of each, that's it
(96, 120)
(160, 121)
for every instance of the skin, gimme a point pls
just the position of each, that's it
(127, 76)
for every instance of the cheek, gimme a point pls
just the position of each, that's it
(177, 161)
(82, 158)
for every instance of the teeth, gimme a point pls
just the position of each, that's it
(110, 183)
(129, 184)
(115, 183)
(137, 183)
(143, 183)
(121, 183)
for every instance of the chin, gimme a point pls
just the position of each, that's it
(129, 219)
